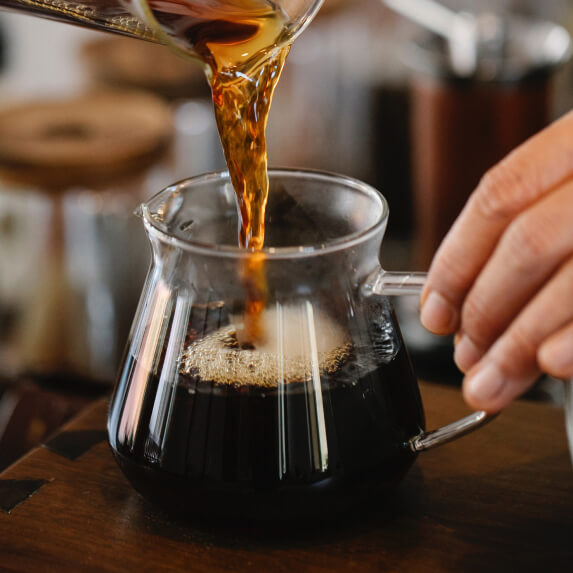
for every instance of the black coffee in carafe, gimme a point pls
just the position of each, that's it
(270, 434)
(323, 410)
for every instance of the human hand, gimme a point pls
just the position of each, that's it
(502, 280)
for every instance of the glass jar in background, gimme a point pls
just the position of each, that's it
(462, 125)
(464, 121)
(72, 260)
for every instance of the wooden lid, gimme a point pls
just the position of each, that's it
(127, 63)
(91, 140)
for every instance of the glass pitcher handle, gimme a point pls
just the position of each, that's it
(399, 284)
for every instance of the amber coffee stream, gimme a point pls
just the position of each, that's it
(243, 47)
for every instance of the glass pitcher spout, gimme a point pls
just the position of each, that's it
(151, 20)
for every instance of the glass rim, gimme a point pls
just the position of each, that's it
(270, 253)
(145, 13)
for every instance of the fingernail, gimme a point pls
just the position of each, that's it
(484, 386)
(466, 353)
(557, 358)
(438, 315)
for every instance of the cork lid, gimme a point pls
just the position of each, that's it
(92, 140)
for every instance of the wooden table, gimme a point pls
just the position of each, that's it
(500, 499)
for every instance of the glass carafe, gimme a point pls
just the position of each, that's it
(322, 409)
(167, 21)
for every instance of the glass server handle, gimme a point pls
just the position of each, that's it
(400, 284)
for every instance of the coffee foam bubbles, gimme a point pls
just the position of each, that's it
(298, 340)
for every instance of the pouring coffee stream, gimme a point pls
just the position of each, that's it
(242, 46)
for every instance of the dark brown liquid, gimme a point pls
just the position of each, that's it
(268, 453)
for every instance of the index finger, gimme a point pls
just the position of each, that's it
(509, 188)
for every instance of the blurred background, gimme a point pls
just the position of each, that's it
(365, 92)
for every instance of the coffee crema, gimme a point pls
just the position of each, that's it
(299, 342)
